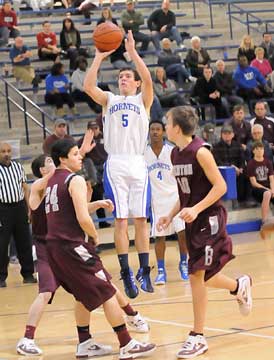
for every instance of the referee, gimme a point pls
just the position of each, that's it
(14, 216)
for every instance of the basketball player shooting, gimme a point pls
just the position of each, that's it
(126, 121)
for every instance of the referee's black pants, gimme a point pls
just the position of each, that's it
(14, 221)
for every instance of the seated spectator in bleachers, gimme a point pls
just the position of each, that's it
(257, 133)
(120, 58)
(162, 24)
(260, 173)
(106, 15)
(228, 152)
(60, 131)
(8, 24)
(70, 42)
(267, 122)
(209, 135)
(263, 65)
(47, 44)
(247, 48)
(36, 5)
(250, 84)
(240, 126)
(268, 47)
(22, 70)
(166, 91)
(197, 58)
(131, 19)
(77, 82)
(226, 86)
(206, 92)
(172, 63)
(57, 90)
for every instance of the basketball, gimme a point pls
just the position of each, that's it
(107, 36)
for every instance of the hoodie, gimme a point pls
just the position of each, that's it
(248, 77)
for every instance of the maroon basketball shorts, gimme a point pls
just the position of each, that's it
(209, 245)
(80, 271)
(47, 281)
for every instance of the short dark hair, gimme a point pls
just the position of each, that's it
(37, 163)
(81, 59)
(261, 102)
(185, 117)
(56, 68)
(266, 33)
(157, 122)
(60, 149)
(257, 144)
(135, 73)
(45, 22)
(237, 108)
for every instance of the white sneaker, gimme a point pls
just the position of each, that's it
(90, 348)
(192, 78)
(192, 347)
(244, 296)
(135, 349)
(137, 323)
(27, 346)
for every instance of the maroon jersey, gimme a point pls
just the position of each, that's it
(192, 182)
(39, 222)
(261, 170)
(61, 217)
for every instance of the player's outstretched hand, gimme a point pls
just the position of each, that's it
(130, 42)
(188, 214)
(87, 144)
(102, 55)
(163, 223)
(106, 204)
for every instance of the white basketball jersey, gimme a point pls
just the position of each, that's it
(164, 192)
(125, 122)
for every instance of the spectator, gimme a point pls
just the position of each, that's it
(106, 15)
(260, 173)
(226, 86)
(268, 47)
(131, 19)
(77, 80)
(250, 84)
(267, 122)
(8, 24)
(36, 5)
(247, 48)
(166, 91)
(197, 58)
(240, 126)
(172, 64)
(47, 44)
(98, 156)
(70, 41)
(14, 194)
(263, 65)
(208, 134)
(57, 90)
(257, 133)
(162, 24)
(60, 132)
(228, 152)
(22, 70)
(205, 89)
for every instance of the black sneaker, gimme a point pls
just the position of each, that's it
(29, 280)
(129, 283)
(3, 284)
(104, 225)
(143, 277)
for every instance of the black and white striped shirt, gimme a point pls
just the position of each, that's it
(12, 178)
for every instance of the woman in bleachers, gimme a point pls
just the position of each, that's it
(197, 58)
(57, 90)
(263, 65)
(106, 15)
(247, 48)
(70, 41)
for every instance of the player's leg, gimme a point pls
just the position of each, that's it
(160, 249)
(196, 343)
(265, 204)
(129, 348)
(183, 266)
(87, 347)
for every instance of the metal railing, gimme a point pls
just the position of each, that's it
(23, 108)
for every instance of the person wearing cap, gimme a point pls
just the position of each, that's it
(8, 24)
(228, 152)
(241, 127)
(208, 134)
(59, 132)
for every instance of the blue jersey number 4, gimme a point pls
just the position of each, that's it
(125, 120)
(159, 175)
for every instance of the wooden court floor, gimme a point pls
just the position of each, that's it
(169, 311)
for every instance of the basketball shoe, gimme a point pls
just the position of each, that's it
(135, 349)
(183, 268)
(244, 296)
(90, 348)
(192, 347)
(129, 283)
(27, 346)
(161, 277)
(143, 277)
(137, 323)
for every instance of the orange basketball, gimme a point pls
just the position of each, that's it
(107, 36)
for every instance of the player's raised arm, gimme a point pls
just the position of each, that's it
(147, 85)
(90, 82)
